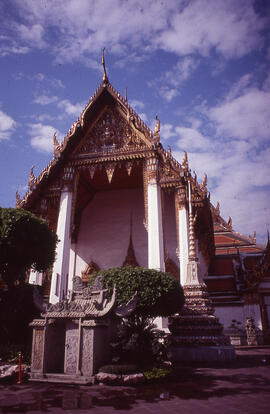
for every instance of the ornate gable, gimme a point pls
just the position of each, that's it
(111, 132)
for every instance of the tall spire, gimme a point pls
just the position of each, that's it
(105, 78)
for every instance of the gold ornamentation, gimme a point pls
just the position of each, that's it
(92, 170)
(91, 268)
(111, 133)
(180, 197)
(110, 170)
(152, 170)
(128, 166)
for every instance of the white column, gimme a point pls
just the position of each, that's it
(72, 265)
(183, 243)
(155, 228)
(61, 264)
(182, 231)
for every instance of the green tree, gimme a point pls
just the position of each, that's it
(25, 242)
(158, 294)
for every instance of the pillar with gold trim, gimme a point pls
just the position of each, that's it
(155, 225)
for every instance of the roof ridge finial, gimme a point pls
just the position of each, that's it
(105, 77)
(31, 177)
(125, 94)
(185, 161)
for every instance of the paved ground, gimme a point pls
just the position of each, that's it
(242, 387)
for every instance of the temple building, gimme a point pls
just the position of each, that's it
(115, 196)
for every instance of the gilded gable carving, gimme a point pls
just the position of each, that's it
(110, 133)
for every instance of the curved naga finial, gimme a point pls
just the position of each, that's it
(31, 177)
(157, 127)
(204, 184)
(105, 77)
(157, 130)
(56, 145)
(18, 199)
(185, 161)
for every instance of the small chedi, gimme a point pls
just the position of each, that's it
(197, 334)
(72, 339)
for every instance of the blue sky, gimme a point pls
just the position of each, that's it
(202, 66)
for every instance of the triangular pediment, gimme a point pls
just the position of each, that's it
(110, 132)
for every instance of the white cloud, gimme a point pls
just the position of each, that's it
(143, 116)
(7, 126)
(169, 84)
(237, 157)
(136, 104)
(245, 117)
(31, 35)
(42, 137)
(190, 139)
(45, 100)
(11, 46)
(81, 28)
(70, 108)
(231, 28)
(167, 131)
(40, 77)
(168, 93)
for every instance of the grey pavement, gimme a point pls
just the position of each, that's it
(241, 387)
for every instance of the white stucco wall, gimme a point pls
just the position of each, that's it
(105, 229)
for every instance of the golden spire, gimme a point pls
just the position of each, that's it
(125, 94)
(105, 78)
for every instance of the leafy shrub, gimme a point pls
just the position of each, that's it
(155, 373)
(138, 341)
(159, 294)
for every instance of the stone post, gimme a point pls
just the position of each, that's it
(155, 227)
